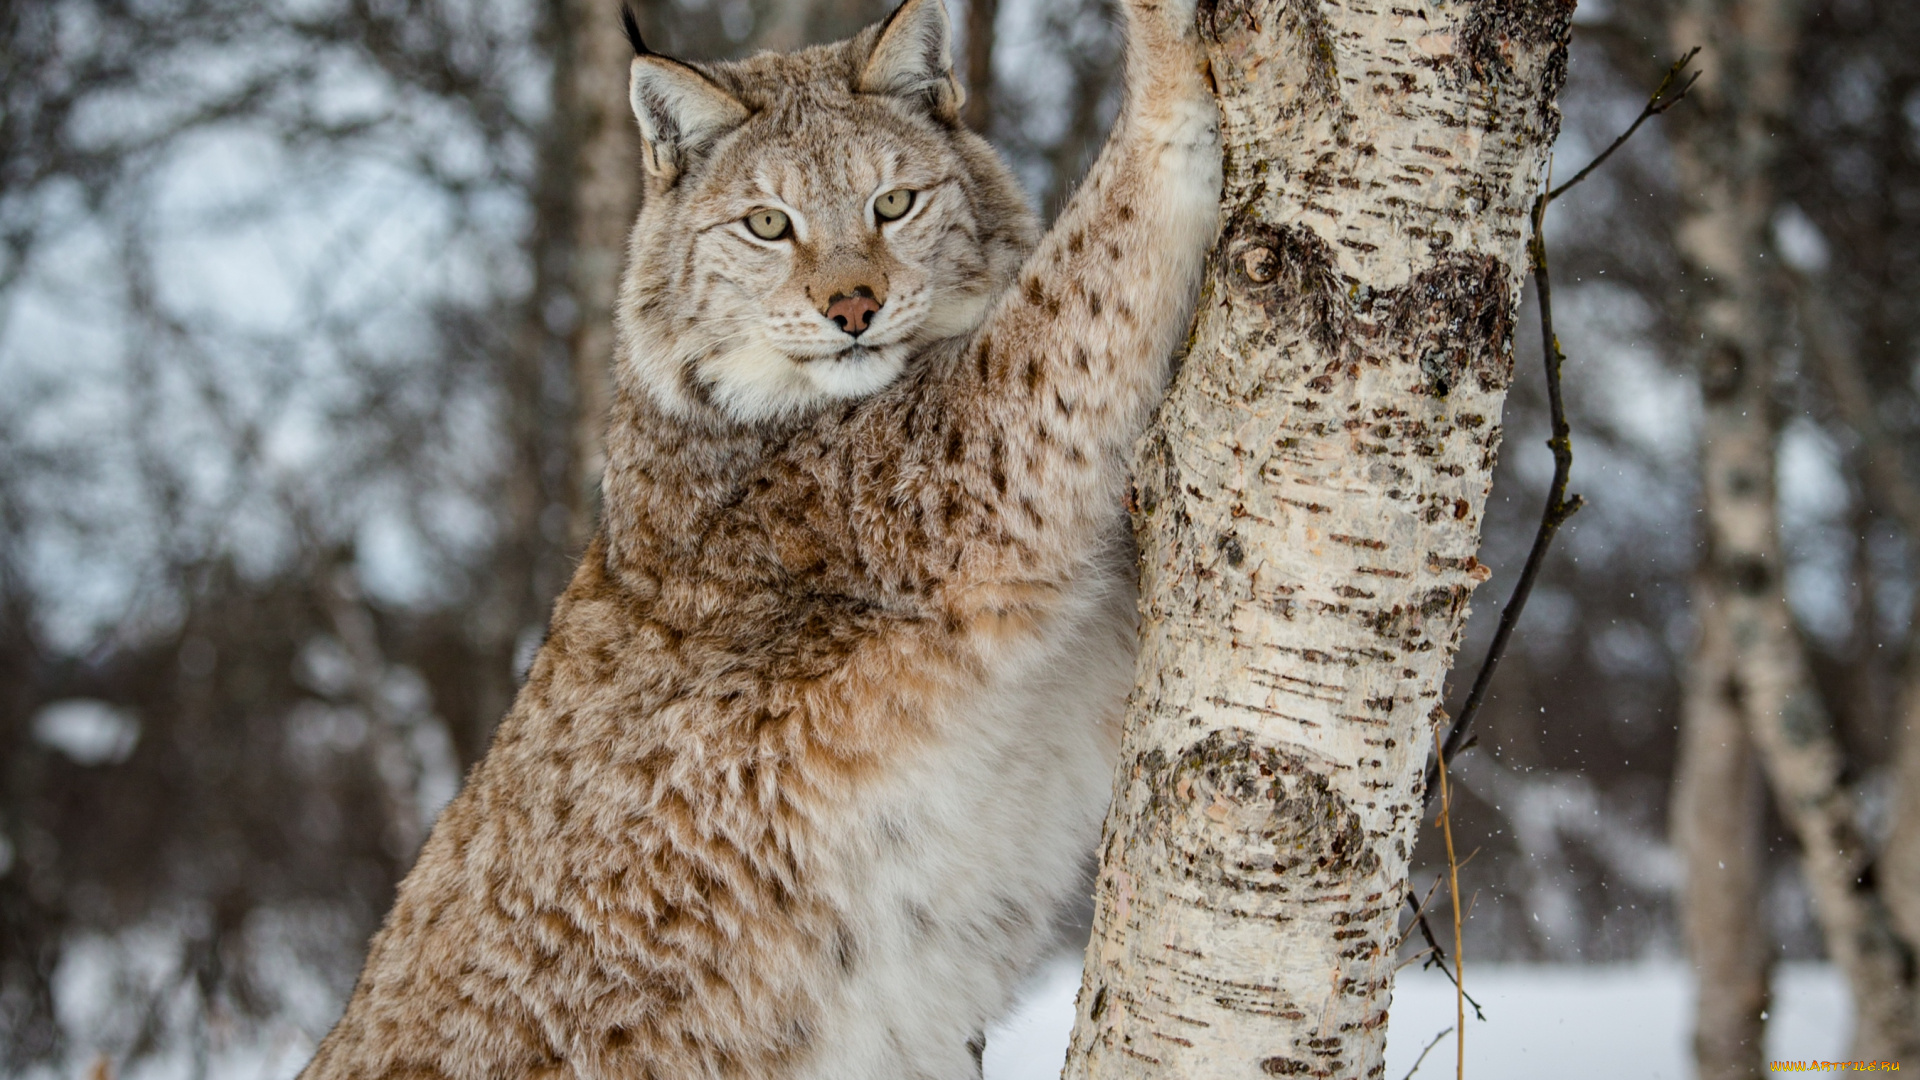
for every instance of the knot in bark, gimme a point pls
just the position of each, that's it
(1257, 818)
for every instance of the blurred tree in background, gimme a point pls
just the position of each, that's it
(300, 307)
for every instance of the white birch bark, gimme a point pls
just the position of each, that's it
(1717, 819)
(1309, 506)
(1722, 151)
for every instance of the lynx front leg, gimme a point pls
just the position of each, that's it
(1066, 370)
(994, 479)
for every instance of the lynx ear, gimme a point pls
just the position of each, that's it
(679, 109)
(914, 58)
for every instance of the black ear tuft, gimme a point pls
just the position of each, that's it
(632, 26)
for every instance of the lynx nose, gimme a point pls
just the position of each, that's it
(852, 312)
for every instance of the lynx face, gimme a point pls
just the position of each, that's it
(811, 223)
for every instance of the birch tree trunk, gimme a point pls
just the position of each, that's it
(1722, 150)
(1717, 817)
(1309, 506)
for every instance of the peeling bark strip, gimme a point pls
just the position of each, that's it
(1309, 510)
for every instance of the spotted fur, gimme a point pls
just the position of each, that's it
(825, 721)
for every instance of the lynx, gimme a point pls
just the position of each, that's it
(824, 724)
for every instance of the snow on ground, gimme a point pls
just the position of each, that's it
(1565, 1021)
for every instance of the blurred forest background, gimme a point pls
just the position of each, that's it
(303, 302)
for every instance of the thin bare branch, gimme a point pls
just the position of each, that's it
(1560, 506)
(1439, 957)
(1418, 910)
(1453, 891)
(1431, 1043)
(1658, 103)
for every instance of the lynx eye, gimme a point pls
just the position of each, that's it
(894, 204)
(769, 224)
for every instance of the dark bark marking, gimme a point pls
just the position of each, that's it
(1749, 575)
(1721, 371)
(1494, 31)
(1453, 319)
(1229, 545)
(1457, 316)
(1285, 826)
(1301, 286)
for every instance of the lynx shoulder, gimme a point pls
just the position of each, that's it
(824, 723)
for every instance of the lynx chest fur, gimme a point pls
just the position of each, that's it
(823, 726)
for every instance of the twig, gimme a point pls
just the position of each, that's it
(1423, 1054)
(1439, 958)
(1419, 909)
(1560, 506)
(1415, 958)
(1453, 890)
(1655, 105)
